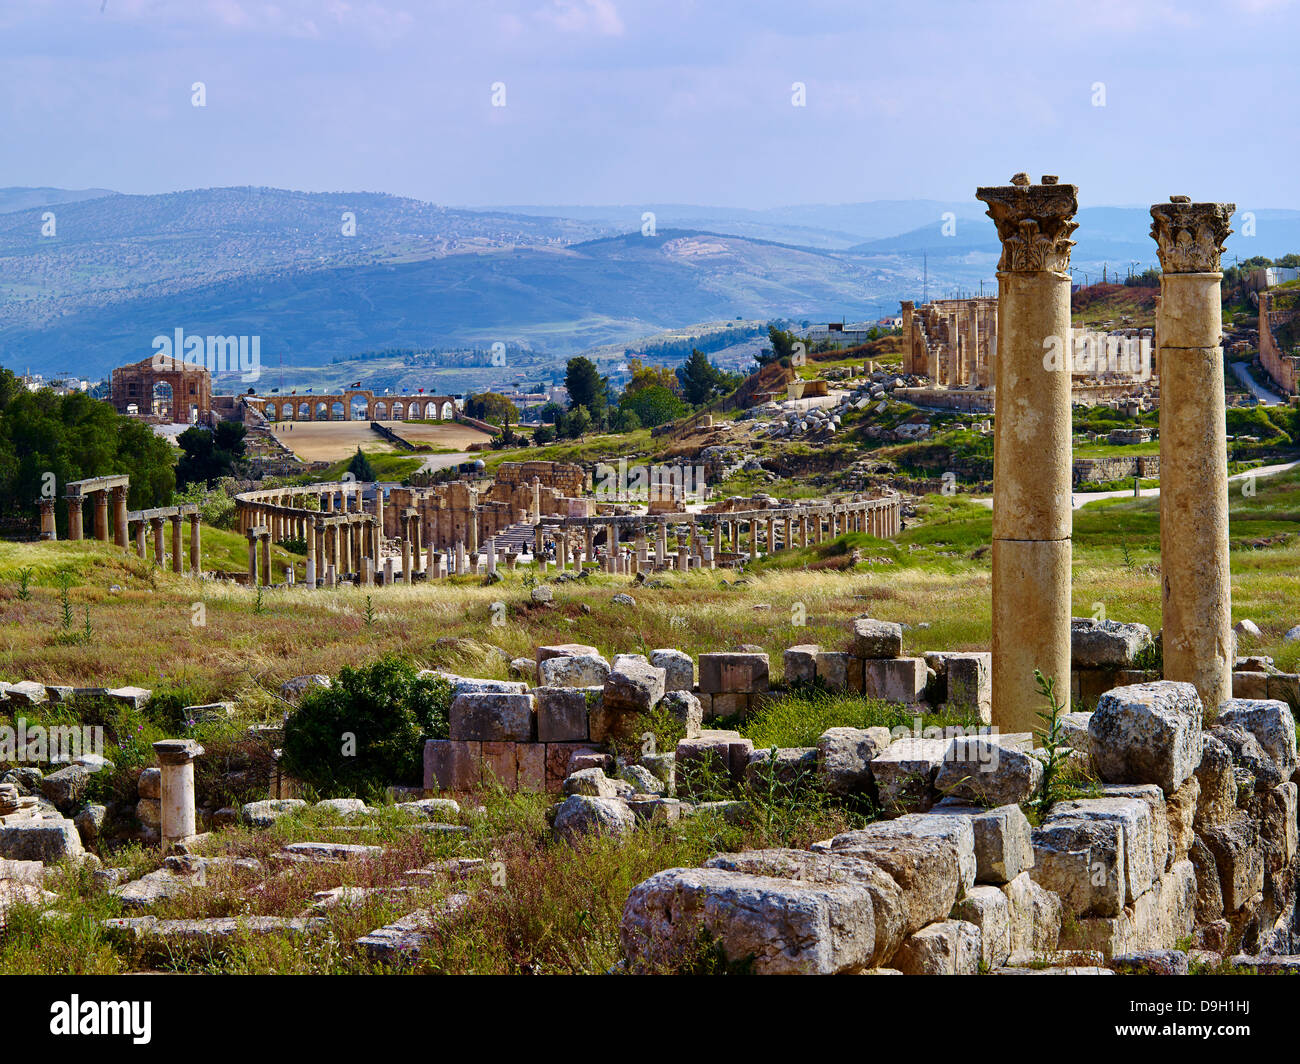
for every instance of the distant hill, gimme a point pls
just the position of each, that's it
(549, 298)
(322, 277)
(21, 199)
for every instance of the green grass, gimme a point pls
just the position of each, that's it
(388, 465)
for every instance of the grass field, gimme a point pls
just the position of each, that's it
(935, 573)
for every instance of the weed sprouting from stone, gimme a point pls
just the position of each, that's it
(1053, 741)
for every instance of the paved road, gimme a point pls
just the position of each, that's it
(1242, 372)
(1081, 498)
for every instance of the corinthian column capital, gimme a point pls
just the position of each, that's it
(1034, 223)
(1189, 236)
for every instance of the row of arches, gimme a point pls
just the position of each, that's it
(359, 409)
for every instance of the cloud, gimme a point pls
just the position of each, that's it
(598, 17)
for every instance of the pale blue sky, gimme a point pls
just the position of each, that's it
(655, 101)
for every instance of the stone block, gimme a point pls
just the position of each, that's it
(904, 773)
(678, 666)
(633, 686)
(1248, 685)
(928, 869)
(1137, 838)
(773, 926)
(493, 717)
(950, 947)
(979, 768)
(887, 901)
(838, 671)
(1270, 722)
(48, 841)
(561, 714)
(574, 670)
(989, 910)
(531, 766)
(876, 639)
(1147, 733)
(1239, 858)
(1035, 914)
(1003, 839)
(894, 679)
(685, 708)
(799, 663)
(733, 673)
(452, 765)
(789, 768)
(845, 756)
(1106, 644)
(1180, 810)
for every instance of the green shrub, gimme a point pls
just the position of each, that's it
(367, 730)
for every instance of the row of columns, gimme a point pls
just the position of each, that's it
(1032, 516)
(155, 524)
(108, 512)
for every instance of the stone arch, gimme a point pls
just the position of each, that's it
(337, 411)
(430, 411)
(304, 412)
(381, 411)
(321, 413)
(398, 410)
(446, 411)
(358, 407)
(161, 401)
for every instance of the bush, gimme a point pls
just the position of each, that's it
(367, 730)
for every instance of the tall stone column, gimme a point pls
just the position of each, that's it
(1032, 446)
(74, 517)
(266, 557)
(49, 528)
(1197, 601)
(406, 546)
(252, 556)
(909, 352)
(196, 561)
(100, 502)
(140, 547)
(178, 555)
(159, 554)
(176, 758)
(119, 516)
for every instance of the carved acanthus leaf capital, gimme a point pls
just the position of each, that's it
(1189, 236)
(1034, 223)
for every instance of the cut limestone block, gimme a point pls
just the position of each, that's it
(733, 673)
(799, 663)
(1147, 733)
(679, 668)
(1239, 858)
(1036, 914)
(894, 679)
(773, 926)
(561, 713)
(574, 670)
(1270, 722)
(887, 901)
(633, 686)
(959, 831)
(845, 756)
(452, 765)
(904, 773)
(1106, 644)
(1003, 839)
(493, 717)
(928, 869)
(950, 947)
(1137, 823)
(876, 639)
(990, 911)
(979, 768)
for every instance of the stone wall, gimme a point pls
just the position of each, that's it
(1284, 368)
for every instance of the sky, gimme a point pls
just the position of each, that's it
(655, 101)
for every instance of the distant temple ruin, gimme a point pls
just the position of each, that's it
(165, 389)
(954, 343)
